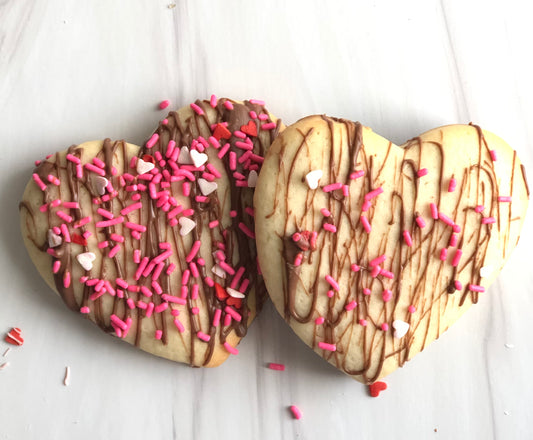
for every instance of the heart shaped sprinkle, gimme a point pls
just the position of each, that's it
(207, 187)
(218, 271)
(86, 260)
(100, 184)
(54, 240)
(400, 328)
(144, 167)
(14, 337)
(234, 293)
(250, 128)
(376, 388)
(198, 159)
(187, 225)
(252, 179)
(184, 157)
(312, 178)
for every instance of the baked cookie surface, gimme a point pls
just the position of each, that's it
(369, 250)
(155, 244)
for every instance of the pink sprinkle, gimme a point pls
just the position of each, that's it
(457, 257)
(82, 222)
(456, 229)
(230, 349)
(133, 226)
(226, 267)
(56, 266)
(137, 256)
(319, 321)
(296, 413)
(203, 336)
(479, 208)
(186, 188)
(79, 171)
(505, 199)
(158, 334)
(257, 102)
(170, 268)
(161, 307)
(375, 271)
(73, 159)
(131, 208)
(85, 310)
(493, 155)
(213, 224)
(216, 317)
(355, 268)
(366, 205)
(385, 327)
(277, 367)
(194, 250)
(66, 280)
(228, 105)
(179, 325)
(246, 230)
(387, 295)
(114, 251)
(367, 291)
(443, 254)
(331, 293)
(173, 299)
(65, 233)
(446, 219)
(98, 162)
(332, 282)
(164, 104)
(452, 185)
(366, 224)
(377, 261)
(363, 322)
(64, 216)
(476, 288)
(227, 320)
(350, 306)
(488, 220)
(197, 109)
(422, 172)
(107, 223)
(407, 238)
(420, 221)
(357, 174)
(332, 187)
(373, 193)
(434, 211)
(233, 313)
(105, 213)
(387, 274)
(53, 179)
(146, 291)
(325, 212)
(327, 347)
(329, 227)
(213, 101)
(411, 309)
(71, 205)
(453, 240)
(95, 169)
(458, 285)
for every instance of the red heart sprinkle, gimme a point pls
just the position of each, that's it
(78, 239)
(237, 302)
(221, 132)
(376, 388)
(14, 337)
(220, 292)
(148, 158)
(250, 128)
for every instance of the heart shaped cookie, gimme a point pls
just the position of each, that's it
(369, 250)
(139, 240)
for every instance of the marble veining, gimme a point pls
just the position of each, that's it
(76, 71)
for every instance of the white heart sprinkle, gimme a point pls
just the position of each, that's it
(312, 178)
(54, 240)
(207, 187)
(86, 260)
(234, 293)
(185, 158)
(198, 159)
(187, 225)
(144, 167)
(252, 179)
(100, 184)
(218, 271)
(485, 271)
(400, 328)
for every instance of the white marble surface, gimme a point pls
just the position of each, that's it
(71, 71)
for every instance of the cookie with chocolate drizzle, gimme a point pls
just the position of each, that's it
(156, 245)
(369, 250)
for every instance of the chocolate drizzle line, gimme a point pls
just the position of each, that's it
(413, 279)
(183, 128)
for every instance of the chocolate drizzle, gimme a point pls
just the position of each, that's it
(304, 287)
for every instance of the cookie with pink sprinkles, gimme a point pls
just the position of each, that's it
(369, 250)
(156, 244)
